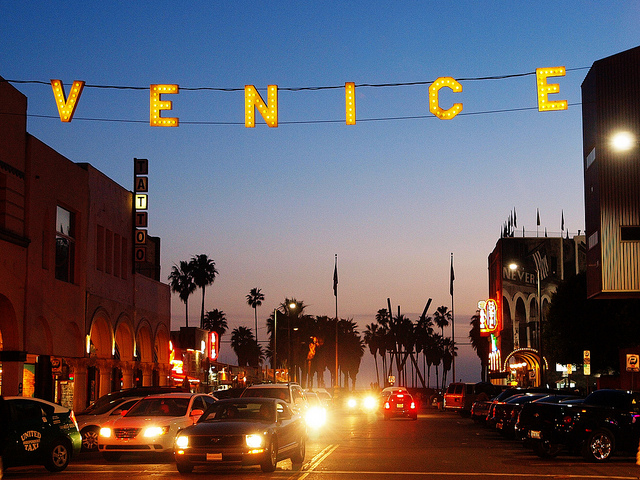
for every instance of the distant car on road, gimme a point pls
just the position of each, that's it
(400, 405)
(39, 433)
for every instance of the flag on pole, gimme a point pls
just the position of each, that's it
(515, 222)
(537, 217)
(562, 223)
(451, 278)
(335, 277)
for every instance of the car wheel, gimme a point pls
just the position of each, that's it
(546, 449)
(90, 439)
(59, 456)
(298, 455)
(184, 467)
(270, 461)
(598, 446)
(111, 456)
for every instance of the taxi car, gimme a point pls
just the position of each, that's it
(400, 404)
(39, 433)
(150, 426)
(243, 431)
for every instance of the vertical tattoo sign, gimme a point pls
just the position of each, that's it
(140, 206)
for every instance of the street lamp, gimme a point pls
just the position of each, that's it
(514, 266)
(623, 141)
(292, 306)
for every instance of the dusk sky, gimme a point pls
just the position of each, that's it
(393, 196)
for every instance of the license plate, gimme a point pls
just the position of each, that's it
(399, 405)
(535, 434)
(214, 457)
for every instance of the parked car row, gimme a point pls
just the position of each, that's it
(605, 423)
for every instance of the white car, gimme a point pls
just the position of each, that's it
(89, 423)
(151, 425)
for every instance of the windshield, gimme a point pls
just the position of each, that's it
(232, 411)
(281, 393)
(159, 407)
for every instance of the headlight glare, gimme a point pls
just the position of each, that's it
(182, 441)
(254, 440)
(105, 432)
(155, 431)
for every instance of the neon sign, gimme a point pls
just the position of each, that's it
(489, 317)
(269, 109)
(213, 346)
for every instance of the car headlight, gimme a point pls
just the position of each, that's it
(105, 432)
(254, 440)
(155, 431)
(316, 417)
(352, 403)
(182, 441)
(369, 403)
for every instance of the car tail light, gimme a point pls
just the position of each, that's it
(387, 406)
(568, 420)
(412, 406)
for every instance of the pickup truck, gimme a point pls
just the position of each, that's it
(604, 423)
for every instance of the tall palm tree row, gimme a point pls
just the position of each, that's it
(399, 342)
(181, 282)
(203, 271)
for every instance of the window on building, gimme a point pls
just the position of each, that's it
(65, 244)
(100, 248)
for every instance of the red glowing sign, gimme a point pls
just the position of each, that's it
(489, 317)
(213, 346)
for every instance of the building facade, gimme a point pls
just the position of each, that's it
(524, 273)
(78, 317)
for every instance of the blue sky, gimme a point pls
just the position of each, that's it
(393, 198)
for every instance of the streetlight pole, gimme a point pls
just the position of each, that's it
(275, 339)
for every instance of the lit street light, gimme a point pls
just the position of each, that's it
(275, 340)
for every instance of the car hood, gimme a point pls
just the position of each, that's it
(139, 422)
(239, 427)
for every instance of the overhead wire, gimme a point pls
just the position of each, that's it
(295, 89)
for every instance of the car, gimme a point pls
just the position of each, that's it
(506, 413)
(602, 424)
(400, 405)
(316, 415)
(150, 426)
(366, 402)
(243, 431)
(325, 397)
(90, 423)
(39, 432)
(290, 392)
(108, 398)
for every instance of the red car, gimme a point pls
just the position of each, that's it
(400, 405)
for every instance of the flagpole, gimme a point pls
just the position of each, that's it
(453, 321)
(336, 381)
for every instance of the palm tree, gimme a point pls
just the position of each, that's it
(254, 299)
(441, 318)
(203, 271)
(215, 321)
(481, 345)
(181, 282)
(372, 339)
(244, 345)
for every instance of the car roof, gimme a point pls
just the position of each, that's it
(57, 408)
(176, 395)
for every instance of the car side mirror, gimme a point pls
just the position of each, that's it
(197, 412)
(123, 412)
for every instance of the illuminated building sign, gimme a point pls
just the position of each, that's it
(269, 109)
(213, 346)
(140, 205)
(489, 317)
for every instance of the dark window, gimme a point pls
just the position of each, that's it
(65, 244)
(630, 234)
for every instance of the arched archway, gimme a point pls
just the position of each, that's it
(524, 365)
(520, 324)
(11, 372)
